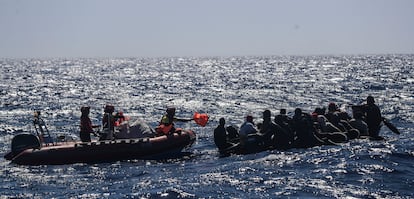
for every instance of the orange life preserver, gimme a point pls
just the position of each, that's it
(200, 118)
(164, 129)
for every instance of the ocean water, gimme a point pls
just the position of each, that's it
(229, 87)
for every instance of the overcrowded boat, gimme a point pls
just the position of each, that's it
(303, 130)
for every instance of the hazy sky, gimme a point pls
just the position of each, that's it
(155, 28)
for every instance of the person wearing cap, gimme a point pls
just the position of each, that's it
(86, 127)
(373, 117)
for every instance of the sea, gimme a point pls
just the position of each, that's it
(228, 87)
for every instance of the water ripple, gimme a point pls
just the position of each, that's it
(229, 87)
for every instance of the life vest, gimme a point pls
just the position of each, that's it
(164, 129)
(120, 118)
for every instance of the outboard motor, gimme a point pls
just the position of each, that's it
(22, 142)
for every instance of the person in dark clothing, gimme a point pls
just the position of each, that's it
(282, 119)
(302, 124)
(267, 128)
(332, 114)
(358, 123)
(232, 133)
(220, 135)
(373, 117)
(273, 134)
(86, 127)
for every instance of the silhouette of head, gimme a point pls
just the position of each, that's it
(370, 100)
(267, 114)
(85, 110)
(298, 111)
(332, 107)
(170, 110)
(109, 108)
(222, 121)
(320, 111)
(249, 118)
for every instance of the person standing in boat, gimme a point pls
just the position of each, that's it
(166, 125)
(86, 127)
(373, 117)
(108, 123)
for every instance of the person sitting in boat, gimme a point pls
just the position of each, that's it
(373, 117)
(232, 132)
(282, 119)
(268, 128)
(334, 116)
(358, 123)
(332, 113)
(166, 125)
(86, 127)
(302, 125)
(248, 131)
(220, 135)
(273, 134)
(350, 131)
(108, 123)
(329, 127)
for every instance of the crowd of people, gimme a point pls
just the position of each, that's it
(110, 120)
(302, 130)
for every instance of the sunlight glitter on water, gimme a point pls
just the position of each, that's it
(222, 87)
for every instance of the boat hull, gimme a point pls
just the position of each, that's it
(106, 151)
